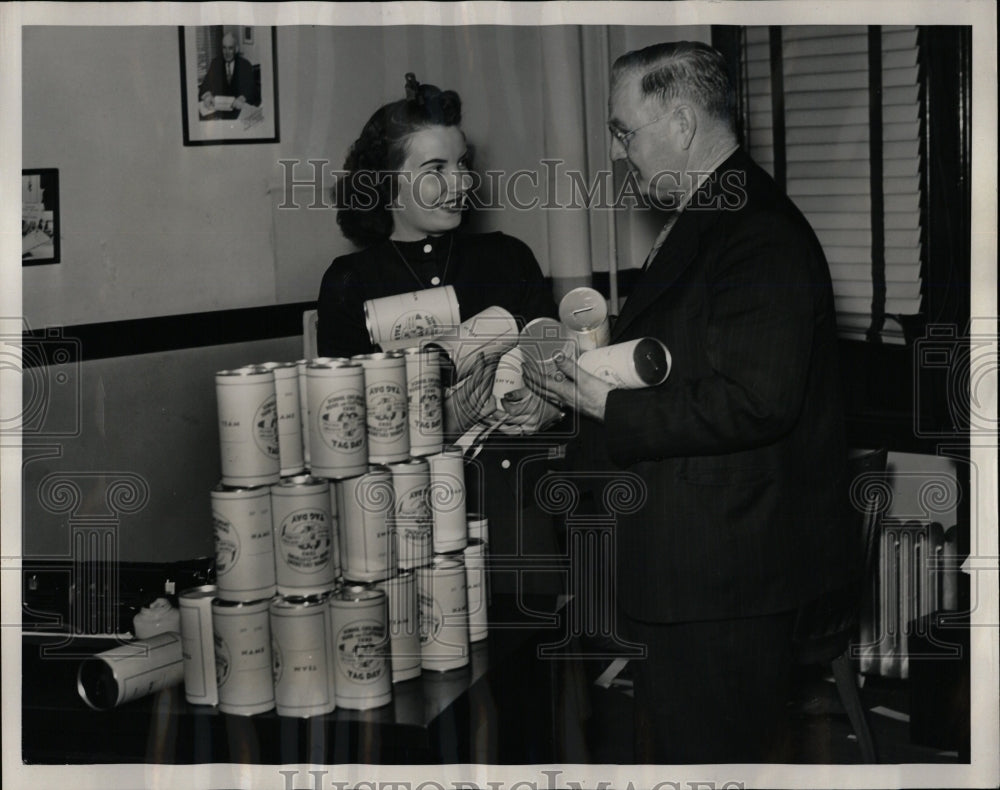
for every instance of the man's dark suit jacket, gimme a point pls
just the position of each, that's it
(242, 83)
(741, 450)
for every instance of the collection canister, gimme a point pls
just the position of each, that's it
(288, 402)
(509, 376)
(243, 670)
(412, 516)
(335, 394)
(394, 322)
(631, 365)
(367, 542)
(198, 644)
(478, 527)
(584, 312)
(444, 615)
(447, 500)
(477, 589)
(360, 647)
(490, 332)
(248, 426)
(386, 407)
(404, 630)
(129, 671)
(542, 340)
(425, 400)
(304, 545)
(244, 546)
(300, 372)
(300, 656)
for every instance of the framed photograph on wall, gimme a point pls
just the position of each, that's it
(229, 84)
(39, 216)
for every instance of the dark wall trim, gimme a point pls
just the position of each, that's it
(85, 342)
(778, 104)
(876, 186)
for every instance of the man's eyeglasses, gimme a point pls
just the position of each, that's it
(624, 136)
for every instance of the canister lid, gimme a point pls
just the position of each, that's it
(651, 360)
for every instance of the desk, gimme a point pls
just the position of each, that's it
(499, 709)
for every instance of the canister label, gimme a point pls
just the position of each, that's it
(265, 422)
(304, 540)
(223, 661)
(416, 323)
(341, 421)
(227, 544)
(360, 650)
(386, 411)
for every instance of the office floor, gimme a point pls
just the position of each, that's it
(824, 734)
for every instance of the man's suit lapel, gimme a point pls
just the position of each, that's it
(681, 245)
(676, 254)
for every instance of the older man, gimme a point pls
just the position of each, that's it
(229, 75)
(741, 449)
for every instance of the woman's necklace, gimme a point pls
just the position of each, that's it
(435, 280)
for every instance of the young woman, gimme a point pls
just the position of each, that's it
(401, 201)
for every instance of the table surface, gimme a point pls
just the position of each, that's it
(497, 709)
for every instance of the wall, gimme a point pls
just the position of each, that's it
(148, 416)
(152, 228)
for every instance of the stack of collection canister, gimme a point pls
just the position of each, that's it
(344, 560)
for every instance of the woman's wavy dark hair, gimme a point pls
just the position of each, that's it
(366, 189)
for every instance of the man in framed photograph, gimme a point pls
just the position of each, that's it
(229, 84)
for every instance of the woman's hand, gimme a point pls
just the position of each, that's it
(569, 385)
(471, 400)
(527, 413)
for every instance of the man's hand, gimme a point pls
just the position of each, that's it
(238, 102)
(208, 100)
(569, 385)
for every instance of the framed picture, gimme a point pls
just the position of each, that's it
(39, 216)
(229, 84)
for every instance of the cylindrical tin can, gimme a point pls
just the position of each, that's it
(198, 645)
(300, 371)
(476, 584)
(248, 426)
(541, 340)
(478, 527)
(157, 618)
(130, 671)
(299, 652)
(631, 365)
(385, 406)
(447, 499)
(404, 630)
(444, 615)
(424, 401)
(412, 517)
(490, 332)
(286, 390)
(303, 536)
(358, 626)
(509, 376)
(364, 505)
(243, 670)
(584, 312)
(338, 445)
(244, 546)
(394, 322)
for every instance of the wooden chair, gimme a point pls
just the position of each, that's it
(827, 626)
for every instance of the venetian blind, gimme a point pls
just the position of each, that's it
(809, 118)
